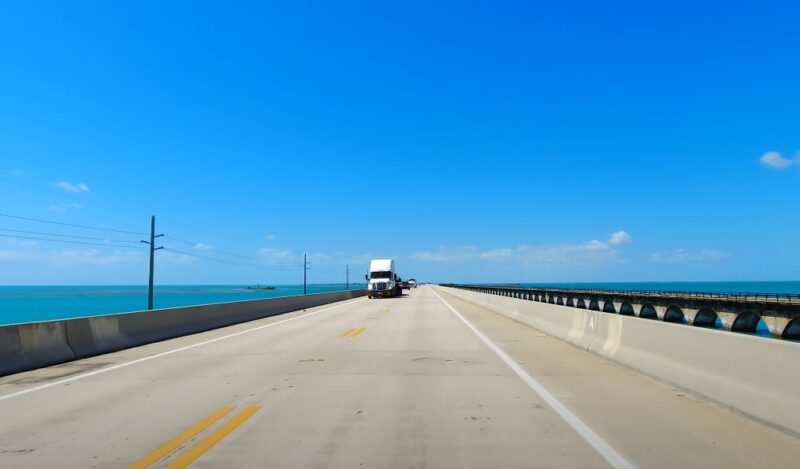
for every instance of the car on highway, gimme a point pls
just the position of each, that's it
(412, 283)
(405, 285)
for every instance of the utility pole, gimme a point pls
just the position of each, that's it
(305, 272)
(348, 276)
(153, 250)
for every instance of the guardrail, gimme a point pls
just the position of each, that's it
(743, 297)
(737, 312)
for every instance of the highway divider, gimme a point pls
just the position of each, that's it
(755, 376)
(34, 345)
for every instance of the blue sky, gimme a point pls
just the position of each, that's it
(472, 141)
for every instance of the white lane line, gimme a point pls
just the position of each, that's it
(169, 352)
(610, 454)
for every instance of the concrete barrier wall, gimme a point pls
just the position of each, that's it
(26, 346)
(35, 345)
(756, 376)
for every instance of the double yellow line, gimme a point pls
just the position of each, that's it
(353, 332)
(203, 446)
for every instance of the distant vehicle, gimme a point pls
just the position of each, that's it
(412, 282)
(382, 280)
(259, 287)
(405, 286)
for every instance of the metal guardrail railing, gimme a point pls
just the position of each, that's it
(737, 297)
(751, 308)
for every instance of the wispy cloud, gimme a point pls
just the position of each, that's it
(774, 160)
(67, 257)
(203, 246)
(355, 260)
(277, 255)
(526, 254)
(448, 254)
(319, 257)
(174, 258)
(270, 237)
(69, 187)
(64, 206)
(682, 255)
(22, 242)
(592, 251)
(619, 237)
(287, 256)
(497, 254)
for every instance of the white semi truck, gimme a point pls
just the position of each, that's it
(382, 280)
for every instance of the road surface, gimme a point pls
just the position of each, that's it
(426, 380)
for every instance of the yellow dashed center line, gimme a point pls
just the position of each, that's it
(199, 449)
(179, 440)
(352, 332)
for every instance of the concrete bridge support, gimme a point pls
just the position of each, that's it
(674, 314)
(791, 330)
(647, 311)
(628, 309)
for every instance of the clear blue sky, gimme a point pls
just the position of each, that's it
(472, 141)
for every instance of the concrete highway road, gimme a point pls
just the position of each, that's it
(426, 380)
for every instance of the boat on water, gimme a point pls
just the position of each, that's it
(259, 287)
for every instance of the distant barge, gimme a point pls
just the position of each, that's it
(259, 287)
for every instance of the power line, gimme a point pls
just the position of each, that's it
(69, 236)
(223, 261)
(252, 262)
(188, 243)
(69, 242)
(86, 227)
(210, 248)
(323, 271)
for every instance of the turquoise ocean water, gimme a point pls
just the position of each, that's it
(20, 304)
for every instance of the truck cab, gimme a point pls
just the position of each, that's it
(382, 280)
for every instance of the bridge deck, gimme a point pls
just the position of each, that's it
(398, 382)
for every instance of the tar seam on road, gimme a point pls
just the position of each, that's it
(606, 451)
(169, 352)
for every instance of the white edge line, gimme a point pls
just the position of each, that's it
(606, 451)
(169, 352)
